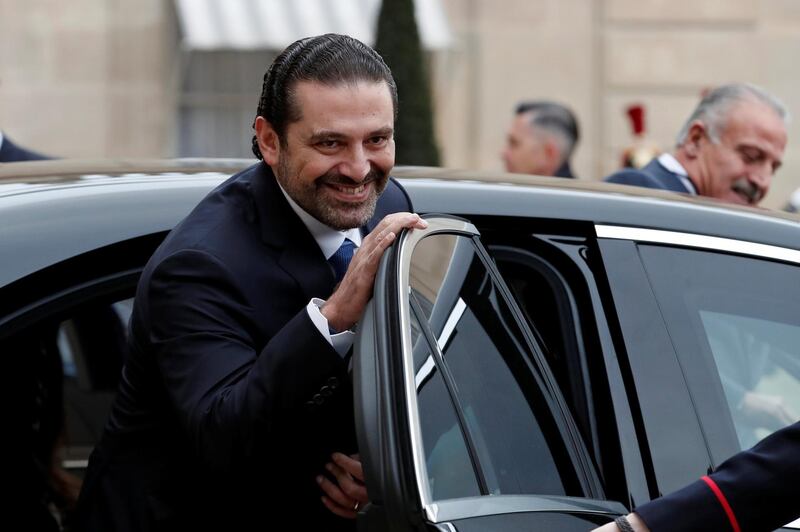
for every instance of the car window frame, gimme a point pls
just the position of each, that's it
(719, 428)
(620, 248)
(104, 275)
(571, 254)
(386, 326)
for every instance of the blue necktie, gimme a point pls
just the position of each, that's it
(341, 259)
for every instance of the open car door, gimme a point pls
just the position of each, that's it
(459, 421)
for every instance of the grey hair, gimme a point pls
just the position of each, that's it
(713, 109)
(554, 119)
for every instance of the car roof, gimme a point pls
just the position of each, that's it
(595, 202)
(149, 196)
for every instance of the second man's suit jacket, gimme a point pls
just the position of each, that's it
(231, 401)
(653, 175)
(10, 152)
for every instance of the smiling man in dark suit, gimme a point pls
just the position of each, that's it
(729, 148)
(235, 392)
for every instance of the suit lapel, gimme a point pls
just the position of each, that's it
(671, 181)
(281, 229)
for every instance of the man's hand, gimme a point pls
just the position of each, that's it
(346, 305)
(348, 493)
(635, 521)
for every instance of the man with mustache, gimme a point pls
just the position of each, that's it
(234, 410)
(729, 148)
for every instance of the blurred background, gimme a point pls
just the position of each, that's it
(181, 78)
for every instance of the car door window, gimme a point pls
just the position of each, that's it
(450, 471)
(477, 347)
(739, 317)
(91, 344)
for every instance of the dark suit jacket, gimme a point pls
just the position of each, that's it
(758, 486)
(565, 170)
(10, 152)
(231, 401)
(654, 175)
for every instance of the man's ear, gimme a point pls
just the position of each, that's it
(552, 153)
(697, 132)
(268, 142)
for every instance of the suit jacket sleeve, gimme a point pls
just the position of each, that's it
(754, 490)
(230, 397)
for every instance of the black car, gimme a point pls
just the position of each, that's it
(544, 356)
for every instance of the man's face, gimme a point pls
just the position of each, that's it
(739, 168)
(336, 159)
(525, 152)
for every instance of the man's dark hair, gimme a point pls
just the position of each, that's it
(554, 118)
(329, 59)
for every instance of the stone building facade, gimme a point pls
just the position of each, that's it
(108, 78)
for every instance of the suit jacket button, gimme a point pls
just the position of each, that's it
(326, 391)
(333, 382)
(318, 399)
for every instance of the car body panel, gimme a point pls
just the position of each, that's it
(63, 224)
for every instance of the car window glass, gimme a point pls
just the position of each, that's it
(90, 343)
(742, 315)
(450, 471)
(486, 365)
(66, 365)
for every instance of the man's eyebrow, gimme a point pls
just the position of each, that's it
(325, 134)
(382, 132)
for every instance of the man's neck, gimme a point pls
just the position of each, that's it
(686, 167)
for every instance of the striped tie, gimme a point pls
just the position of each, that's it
(341, 259)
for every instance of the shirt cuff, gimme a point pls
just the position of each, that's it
(341, 342)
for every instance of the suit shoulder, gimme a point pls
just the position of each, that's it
(634, 177)
(394, 199)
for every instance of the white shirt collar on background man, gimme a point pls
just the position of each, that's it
(1, 139)
(669, 162)
(328, 239)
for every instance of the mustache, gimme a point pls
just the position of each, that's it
(336, 178)
(752, 192)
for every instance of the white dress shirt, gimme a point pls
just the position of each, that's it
(329, 241)
(669, 162)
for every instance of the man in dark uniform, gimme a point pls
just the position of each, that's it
(754, 491)
(729, 148)
(235, 393)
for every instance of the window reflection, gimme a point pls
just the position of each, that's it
(477, 358)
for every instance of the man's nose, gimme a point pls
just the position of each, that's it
(761, 177)
(357, 165)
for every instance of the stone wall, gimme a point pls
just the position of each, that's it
(598, 56)
(88, 78)
(100, 78)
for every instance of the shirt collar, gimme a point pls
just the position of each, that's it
(1, 139)
(328, 239)
(668, 161)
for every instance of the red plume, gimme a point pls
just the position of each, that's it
(636, 115)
